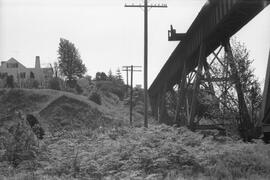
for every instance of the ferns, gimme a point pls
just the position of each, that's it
(160, 152)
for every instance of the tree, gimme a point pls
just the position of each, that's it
(245, 98)
(89, 79)
(55, 69)
(101, 76)
(119, 76)
(70, 63)
(110, 75)
(254, 96)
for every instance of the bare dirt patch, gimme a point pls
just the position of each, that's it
(69, 113)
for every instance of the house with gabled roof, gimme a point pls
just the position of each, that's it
(23, 76)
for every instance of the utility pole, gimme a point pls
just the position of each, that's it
(131, 69)
(125, 68)
(146, 6)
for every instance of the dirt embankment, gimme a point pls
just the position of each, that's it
(69, 113)
(54, 109)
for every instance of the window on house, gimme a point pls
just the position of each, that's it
(3, 75)
(12, 65)
(22, 75)
(32, 76)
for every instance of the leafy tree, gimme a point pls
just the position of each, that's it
(254, 95)
(89, 79)
(101, 76)
(249, 86)
(70, 63)
(55, 68)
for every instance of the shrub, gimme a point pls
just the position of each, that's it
(19, 144)
(78, 88)
(10, 81)
(35, 84)
(95, 97)
(113, 87)
(54, 84)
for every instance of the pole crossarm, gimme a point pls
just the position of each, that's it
(149, 6)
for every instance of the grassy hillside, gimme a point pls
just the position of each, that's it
(63, 110)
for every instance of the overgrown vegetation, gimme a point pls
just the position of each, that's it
(160, 152)
(112, 87)
(95, 96)
(18, 143)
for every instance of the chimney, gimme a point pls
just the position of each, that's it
(37, 66)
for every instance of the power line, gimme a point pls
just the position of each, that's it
(146, 6)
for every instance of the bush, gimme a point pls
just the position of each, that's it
(35, 84)
(10, 82)
(19, 144)
(95, 97)
(113, 87)
(78, 88)
(54, 84)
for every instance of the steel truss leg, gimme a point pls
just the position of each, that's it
(154, 106)
(245, 121)
(162, 108)
(202, 59)
(180, 96)
(208, 76)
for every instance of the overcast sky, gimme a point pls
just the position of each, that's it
(108, 35)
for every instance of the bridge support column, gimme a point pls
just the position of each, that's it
(201, 60)
(180, 97)
(161, 104)
(154, 105)
(245, 121)
(208, 76)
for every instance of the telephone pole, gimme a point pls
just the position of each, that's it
(131, 69)
(125, 68)
(146, 6)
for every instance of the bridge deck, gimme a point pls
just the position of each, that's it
(217, 21)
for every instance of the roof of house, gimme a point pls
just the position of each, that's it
(14, 60)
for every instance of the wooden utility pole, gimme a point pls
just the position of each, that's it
(131, 94)
(146, 6)
(131, 69)
(125, 68)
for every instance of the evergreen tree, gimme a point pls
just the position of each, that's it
(110, 75)
(70, 63)
(119, 75)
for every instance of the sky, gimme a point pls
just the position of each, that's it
(108, 35)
